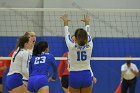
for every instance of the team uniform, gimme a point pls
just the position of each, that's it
(18, 69)
(79, 60)
(2, 64)
(63, 71)
(26, 75)
(39, 71)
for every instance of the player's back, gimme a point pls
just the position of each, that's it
(39, 65)
(19, 62)
(79, 57)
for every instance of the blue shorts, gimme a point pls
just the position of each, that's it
(14, 81)
(37, 82)
(80, 79)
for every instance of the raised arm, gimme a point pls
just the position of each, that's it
(68, 39)
(86, 20)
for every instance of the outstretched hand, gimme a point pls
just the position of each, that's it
(86, 19)
(65, 19)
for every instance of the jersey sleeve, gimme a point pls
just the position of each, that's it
(87, 28)
(53, 64)
(68, 38)
(135, 68)
(123, 68)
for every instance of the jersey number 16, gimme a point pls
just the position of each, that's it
(81, 55)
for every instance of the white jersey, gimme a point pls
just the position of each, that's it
(128, 74)
(20, 63)
(79, 56)
(26, 75)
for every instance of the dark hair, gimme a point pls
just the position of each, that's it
(27, 33)
(81, 36)
(22, 40)
(17, 43)
(39, 48)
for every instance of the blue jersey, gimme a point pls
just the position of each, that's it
(40, 65)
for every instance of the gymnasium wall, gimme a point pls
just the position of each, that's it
(107, 72)
(118, 4)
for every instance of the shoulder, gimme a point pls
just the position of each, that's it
(123, 65)
(49, 55)
(24, 52)
(133, 65)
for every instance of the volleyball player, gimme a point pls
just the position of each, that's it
(2, 70)
(80, 80)
(92, 75)
(63, 73)
(39, 66)
(17, 70)
(32, 40)
(32, 36)
(63, 70)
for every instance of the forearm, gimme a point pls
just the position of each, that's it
(65, 23)
(54, 70)
(135, 72)
(122, 75)
(87, 28)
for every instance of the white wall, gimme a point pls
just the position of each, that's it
(21, 3)
(125, 4)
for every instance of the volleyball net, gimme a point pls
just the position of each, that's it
(115, 32)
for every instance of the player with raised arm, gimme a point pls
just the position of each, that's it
(80, 79)
(19, 60)
(63, 71)
(39, 66)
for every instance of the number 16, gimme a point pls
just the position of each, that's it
(81, 55)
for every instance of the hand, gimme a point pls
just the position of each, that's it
(94, 80)
(65, 19)
(131, 69)
(60, 78)
(50, 79)
(86, 19)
